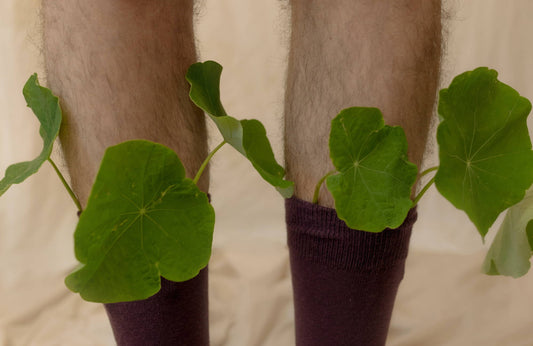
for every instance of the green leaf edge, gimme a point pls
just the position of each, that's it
(204, 78)
(382, 127)
(36, 96)
(482, 232)
(493, 257)
(80, 257)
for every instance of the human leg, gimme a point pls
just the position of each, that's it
(357, 53)
(119, 68)
(351, 53)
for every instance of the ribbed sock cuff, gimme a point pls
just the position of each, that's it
(316, 234)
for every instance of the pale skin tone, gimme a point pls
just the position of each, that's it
(346, 53)
(119, 68)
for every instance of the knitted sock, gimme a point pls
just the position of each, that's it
(344, 281)
(176, 315)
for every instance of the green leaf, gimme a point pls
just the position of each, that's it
(143, 220)
(259, 152)
(373, 187)
(510, 251)
(484, 146)
(46, 107)
(246, 136)
(529, 233)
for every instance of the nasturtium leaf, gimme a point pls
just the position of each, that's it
(486, 161)
(143, 220)
(46, 107)
(259, 152)
(510, 251)
(373, 187)
(246, 136)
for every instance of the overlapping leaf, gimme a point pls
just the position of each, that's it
(246, 136)
(486, 162)
(373, 187)
(46, 107)
(511, 249)
(143, 220)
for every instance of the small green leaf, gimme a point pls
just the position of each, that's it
(484, 146)
(510, 251)
(143, 220)
(373, 187)
(259, 152)
(46, 107)
(246, 136)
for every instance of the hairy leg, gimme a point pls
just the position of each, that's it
(119, 68)
(345, 53)
(366, 53)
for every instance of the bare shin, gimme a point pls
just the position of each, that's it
(366, 53)
(119, 70)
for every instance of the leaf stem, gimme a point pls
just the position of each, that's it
(65, 184)
(429, 170)
(319, 184)
(423, 191)
(206, 161)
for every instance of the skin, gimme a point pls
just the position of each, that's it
(348, 53)
(119, 69)
(381, 56)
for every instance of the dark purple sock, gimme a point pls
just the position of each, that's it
(176, 315)
(344, 281)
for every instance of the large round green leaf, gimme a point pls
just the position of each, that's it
(46, 107)
(373, 187)
(486, 162)
(143, 220)
(246, 136)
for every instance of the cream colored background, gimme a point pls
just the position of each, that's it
(444, 300)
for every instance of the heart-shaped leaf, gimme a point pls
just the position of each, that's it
(46, 107)
(510, 251)
(246, 136)
(373, 187)
(486, 161)
(143, 220)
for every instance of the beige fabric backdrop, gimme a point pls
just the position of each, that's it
(444, 300)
